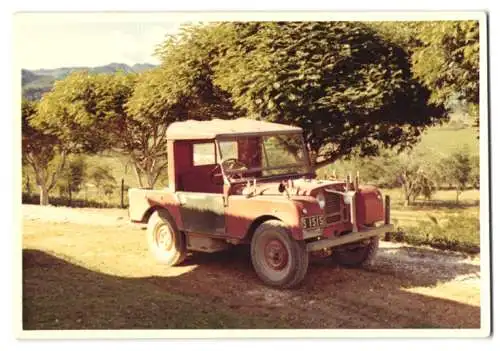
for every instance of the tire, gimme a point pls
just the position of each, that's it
(358, 256)
(165, 242)
(278, 259)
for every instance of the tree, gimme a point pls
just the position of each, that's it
(143, 137)
(475, 176)
(448, 60)
(415, 176)
(102, 178)
(72, 176)
(444, 55)
(77, 116)
(43, 151)
(339, 81)
(457, 170)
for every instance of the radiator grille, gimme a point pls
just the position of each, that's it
(333, 219)
(332, 203)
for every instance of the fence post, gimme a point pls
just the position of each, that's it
(122, 191)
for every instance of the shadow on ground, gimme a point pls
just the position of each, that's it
(222, 291)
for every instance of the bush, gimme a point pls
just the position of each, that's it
(456, 233)
(34, 199)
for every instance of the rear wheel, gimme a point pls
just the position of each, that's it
(357, 255)
(278, 259)
(165, 242)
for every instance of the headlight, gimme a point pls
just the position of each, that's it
(321, 200)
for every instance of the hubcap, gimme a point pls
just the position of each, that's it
(164, 238)
(276, 254)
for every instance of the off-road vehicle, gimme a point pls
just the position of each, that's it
(246, 181)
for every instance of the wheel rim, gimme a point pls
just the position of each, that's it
(164, 238)
(276, 255)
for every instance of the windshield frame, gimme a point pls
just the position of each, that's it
(225, 173)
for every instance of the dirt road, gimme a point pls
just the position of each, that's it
(408, 287)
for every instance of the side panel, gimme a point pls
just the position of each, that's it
(242, 211)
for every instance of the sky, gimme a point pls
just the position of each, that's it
(44, 41)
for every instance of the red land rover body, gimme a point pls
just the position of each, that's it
(250, 182)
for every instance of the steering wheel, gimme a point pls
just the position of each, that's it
(233, 164)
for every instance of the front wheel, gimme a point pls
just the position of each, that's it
(165, 242)
(360, 255)
(278, 259)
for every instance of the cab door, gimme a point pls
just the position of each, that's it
(201, 199)
(202, 212)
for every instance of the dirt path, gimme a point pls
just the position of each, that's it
(408, 287)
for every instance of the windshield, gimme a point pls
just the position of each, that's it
(262, 156)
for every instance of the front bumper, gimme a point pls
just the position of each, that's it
(349, 238)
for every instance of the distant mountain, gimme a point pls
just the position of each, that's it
(28, 77)
(37, 82)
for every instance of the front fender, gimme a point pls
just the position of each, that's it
(244, 214)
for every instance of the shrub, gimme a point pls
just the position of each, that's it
(456, 233)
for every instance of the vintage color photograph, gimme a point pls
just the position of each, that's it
(182, 172)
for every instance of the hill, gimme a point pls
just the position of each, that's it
(37, 82)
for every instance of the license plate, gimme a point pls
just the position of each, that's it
(313, 222)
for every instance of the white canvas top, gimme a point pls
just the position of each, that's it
(225, 128)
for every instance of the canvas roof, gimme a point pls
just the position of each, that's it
(218, 128)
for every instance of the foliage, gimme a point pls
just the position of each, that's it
(81, 109)
(408, 170)
(445, 57)
(338, 80)
(457, 169)
(143, 137)
(44, 152)
(475, 175)
(457, 233)
(72, 175)
(416, 178)
(102, 178)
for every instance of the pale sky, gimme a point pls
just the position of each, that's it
(43, 42)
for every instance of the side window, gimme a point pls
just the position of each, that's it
(203, 154)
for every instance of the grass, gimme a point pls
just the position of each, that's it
(96, 277)
(445, 139)
(453, 232)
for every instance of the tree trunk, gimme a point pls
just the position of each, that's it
(406, 194)
(69, 193)
(407, 201)
(28, 185)
(44, 195)
(151, 179)
(138, 175)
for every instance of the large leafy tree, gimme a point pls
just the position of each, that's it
(143, 136)
(80, 114)
(43, 151)
(347, 87)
